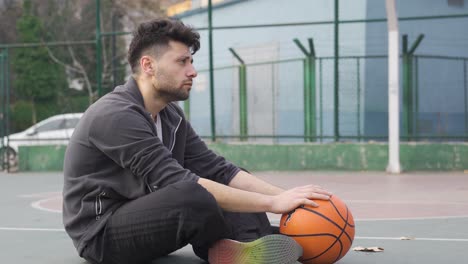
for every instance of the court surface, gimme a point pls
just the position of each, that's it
(431, 208)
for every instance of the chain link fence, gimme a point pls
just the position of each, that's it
(311, 74)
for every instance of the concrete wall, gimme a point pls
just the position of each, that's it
(342, 156)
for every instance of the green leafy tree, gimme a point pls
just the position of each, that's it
(37, 78)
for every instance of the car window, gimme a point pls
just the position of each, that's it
(71, 122)
(49, 126)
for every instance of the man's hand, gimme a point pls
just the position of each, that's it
(236, 200)
(293, 198)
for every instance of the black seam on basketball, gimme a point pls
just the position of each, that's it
(346, 225)
(345, 220)
(319, 214)
(341, 251)
(339, 213)
(342, 229)
(321, 234)
(326, 250)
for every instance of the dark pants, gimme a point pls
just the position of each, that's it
(172, 217)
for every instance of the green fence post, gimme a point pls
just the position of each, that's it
(98, 48)
(321, 98)
(337, 71)
(416, 99)
(309, 91)
(408, 99)
(306, 99)
(7, 102)
(243, 102)
(406, 87)
(212, 94)
(311, 88)
(187, 108)
(312, 106)
(243, 122)
(465, 85)
(2, 105)
(358, 66)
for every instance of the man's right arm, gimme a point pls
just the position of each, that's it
(236, 200)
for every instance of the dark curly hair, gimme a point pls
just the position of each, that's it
(157, 34)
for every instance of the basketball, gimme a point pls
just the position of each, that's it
(325, 232)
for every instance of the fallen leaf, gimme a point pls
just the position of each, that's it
(368, 249)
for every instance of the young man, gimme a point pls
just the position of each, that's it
(140, 183)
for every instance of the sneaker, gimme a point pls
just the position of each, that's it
(271, 249)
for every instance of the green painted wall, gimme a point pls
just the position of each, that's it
(343, 156)
(41, 158)
(339, 156)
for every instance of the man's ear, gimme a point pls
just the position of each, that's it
(146, 65)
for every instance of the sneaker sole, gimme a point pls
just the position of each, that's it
(269, 249)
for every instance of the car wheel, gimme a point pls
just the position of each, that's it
(8, 158)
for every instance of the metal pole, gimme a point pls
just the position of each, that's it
(312, 106)
(7, 103)
(416, 99)
(306, 99)
(465, 73)
(321, 99)
(358, 98)
(114, 52)
(336, 72)
(98, 48)
(2, 104)
(393, 89)
(406, 86)
(187, 109)
(243, 102)
(242, 96)
(210, 47)
(410, 96)
(309, 90)
(3, 153)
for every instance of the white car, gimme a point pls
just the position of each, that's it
(55, 130)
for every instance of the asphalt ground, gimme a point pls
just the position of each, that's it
(430, 208)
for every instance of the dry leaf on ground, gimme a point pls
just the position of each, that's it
(368, 249)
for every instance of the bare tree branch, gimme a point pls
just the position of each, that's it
(85, 75)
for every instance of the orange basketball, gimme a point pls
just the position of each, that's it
(325, 232)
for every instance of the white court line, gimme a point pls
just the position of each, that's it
(40, 195)
(31, 229)
(413, 202)
(416, 238)
(38, 205)
(411, 218)
(277, 221)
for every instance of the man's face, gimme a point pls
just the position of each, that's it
(174, 73)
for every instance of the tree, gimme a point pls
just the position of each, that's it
(75, 21)
(37, 77)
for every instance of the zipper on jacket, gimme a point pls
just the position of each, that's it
(174, 135)
(148, 186)
(98, 205)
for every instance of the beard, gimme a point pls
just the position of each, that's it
(168, 89)
(170, 94)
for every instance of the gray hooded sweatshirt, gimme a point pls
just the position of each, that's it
(115, 156)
